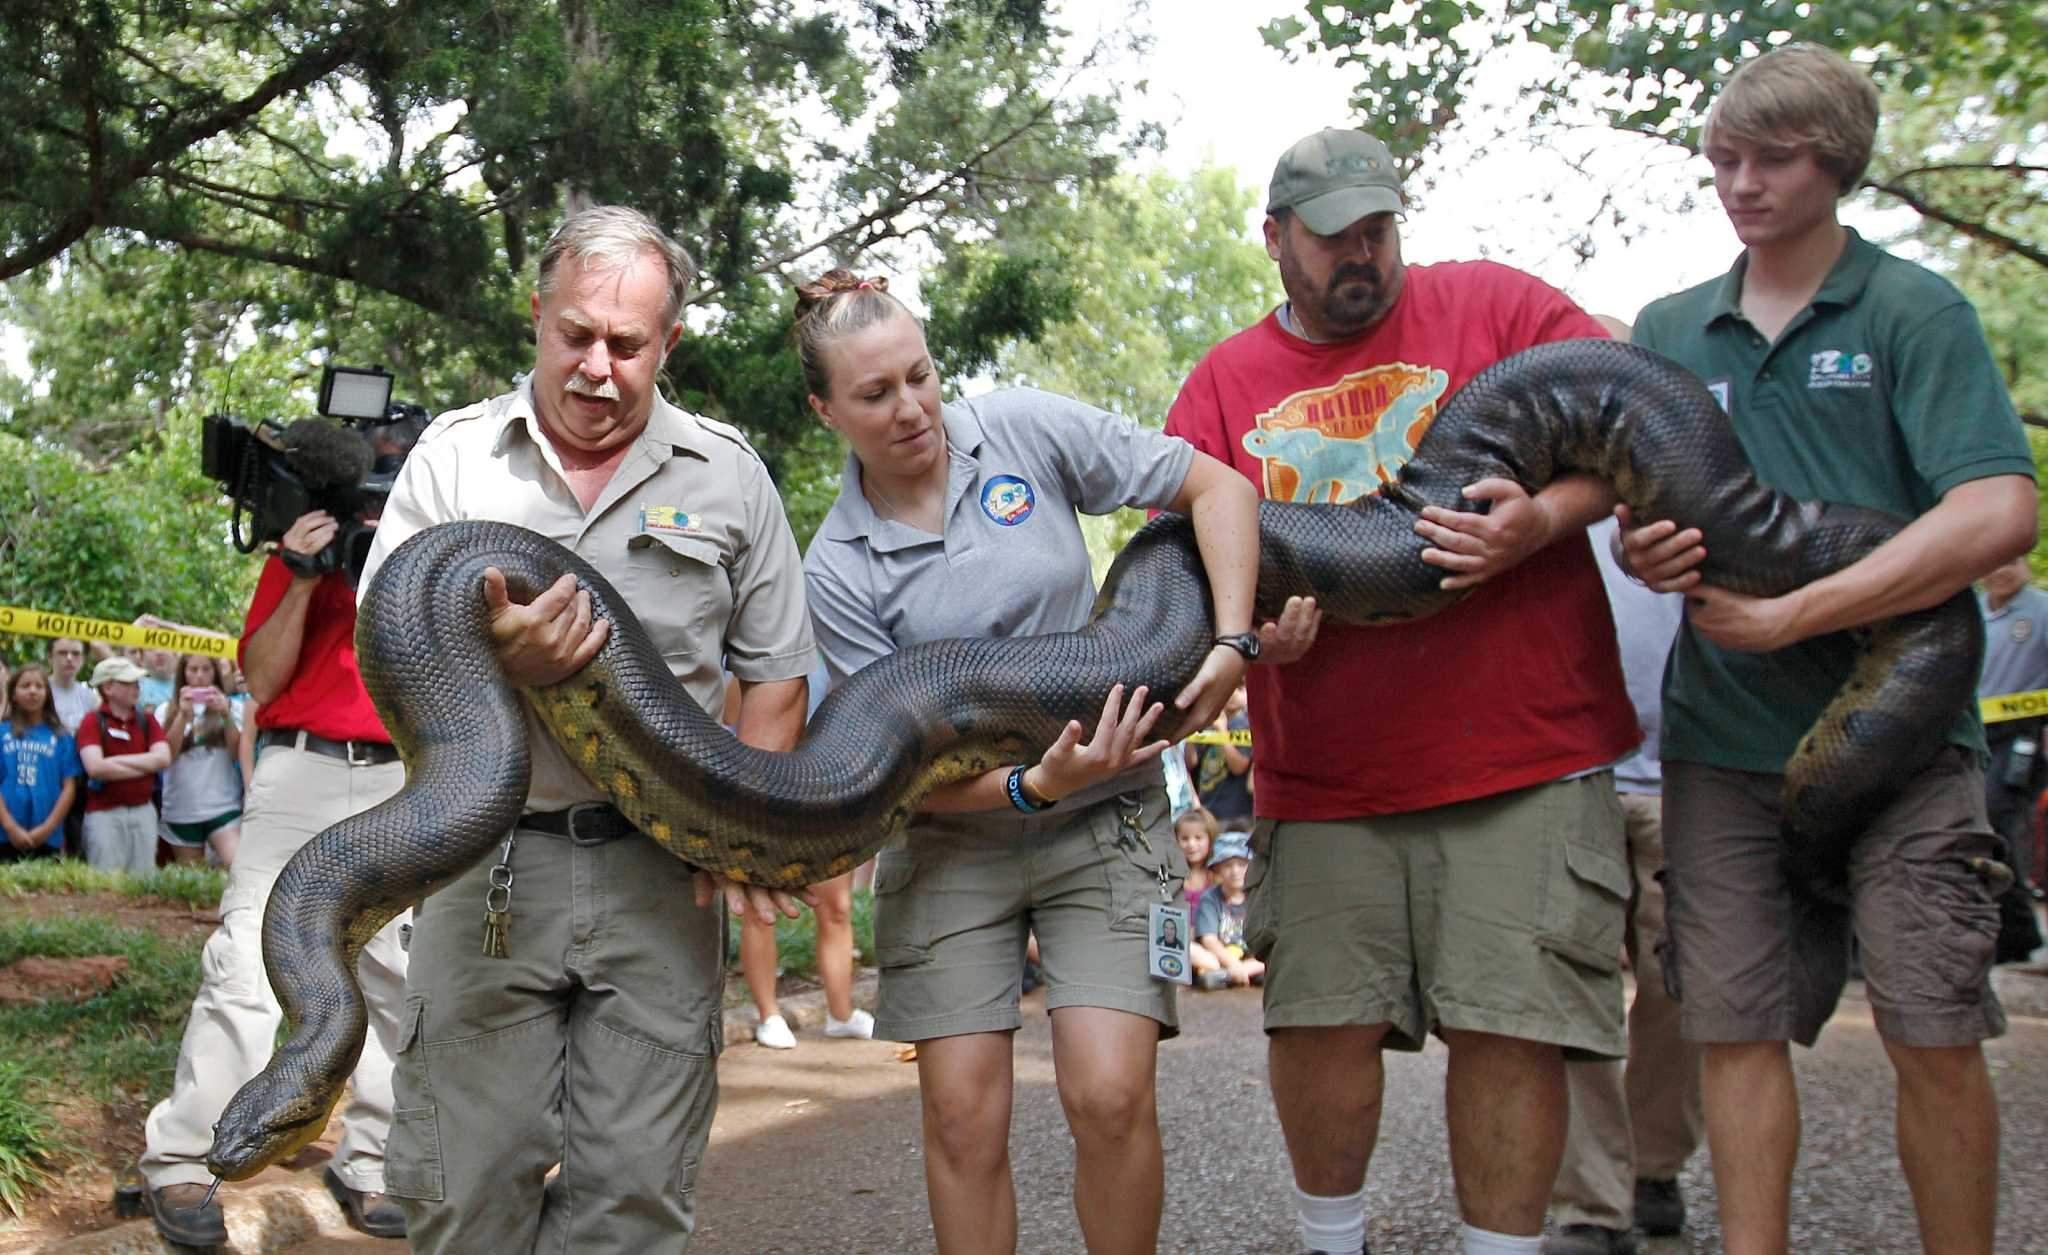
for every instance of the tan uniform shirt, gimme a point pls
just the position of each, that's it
(690, 530)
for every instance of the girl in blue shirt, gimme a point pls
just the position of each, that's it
(39, 769)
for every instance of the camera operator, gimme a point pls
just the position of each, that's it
(322, 755)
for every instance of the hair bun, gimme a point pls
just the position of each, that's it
(809, 296)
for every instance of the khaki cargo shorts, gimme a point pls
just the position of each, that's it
(1499, 915)
(1750, 959)
(955, 904)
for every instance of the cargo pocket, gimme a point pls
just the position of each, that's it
(686, 575)
(412, 1153)
(1957, 899)
(1586, 906)
(1132, 835)
(698, 1102)
(902, 929)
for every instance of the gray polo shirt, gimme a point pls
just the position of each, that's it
(1011, 561)
(690, 530)
(2015, 644)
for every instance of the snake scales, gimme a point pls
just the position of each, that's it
(950, 709)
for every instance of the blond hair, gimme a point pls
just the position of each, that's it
(1802, 94)
(835, 304)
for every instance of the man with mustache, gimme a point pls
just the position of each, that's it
(1438, 845)
(588, 1034)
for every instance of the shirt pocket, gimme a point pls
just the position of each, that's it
(679, 588)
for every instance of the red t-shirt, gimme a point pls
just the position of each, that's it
(137, 734)
(1518, 684)
(325, 695)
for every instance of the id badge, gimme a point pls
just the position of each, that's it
(1166, 950)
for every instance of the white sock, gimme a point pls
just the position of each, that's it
(1335, 1225)
(1486, 1242)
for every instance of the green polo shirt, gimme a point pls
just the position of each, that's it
(1881, 393)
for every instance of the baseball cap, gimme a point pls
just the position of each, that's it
(1335, 177)
(117, 668)
(1231, 844)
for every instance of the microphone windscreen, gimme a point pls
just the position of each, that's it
(327, 456)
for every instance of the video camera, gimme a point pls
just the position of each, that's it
(276, 472)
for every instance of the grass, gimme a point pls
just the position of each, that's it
(122, 1042)
(30, 1140)
(191, 883)
(796, 940)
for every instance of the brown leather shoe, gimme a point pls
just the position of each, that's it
(374, 1214)
(179, 1216)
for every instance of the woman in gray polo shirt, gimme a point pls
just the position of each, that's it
(957, 521)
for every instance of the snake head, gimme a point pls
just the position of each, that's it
(263, 1124)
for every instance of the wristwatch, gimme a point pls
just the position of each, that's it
(1246, 643)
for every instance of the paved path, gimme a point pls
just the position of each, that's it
(849, 1151)
(817, 1150)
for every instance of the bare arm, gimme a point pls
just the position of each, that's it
(772, 712)
(102, 766)
(1976, 526)
(177, 722)
(1225, 509)
(41, 832)
(1119, 742)
(271, 653)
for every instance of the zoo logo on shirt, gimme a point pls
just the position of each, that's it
(1833, 368)
(1007, 500)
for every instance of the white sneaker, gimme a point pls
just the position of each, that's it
(859, 1024)
(774, 1033)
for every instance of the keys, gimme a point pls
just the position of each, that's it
(498, 905)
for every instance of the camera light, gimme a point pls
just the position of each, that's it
(354, 391)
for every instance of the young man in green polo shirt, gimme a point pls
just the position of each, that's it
(1849, 376)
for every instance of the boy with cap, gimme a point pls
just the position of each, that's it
(1397, 854)
(1220, 915)
(122, 747)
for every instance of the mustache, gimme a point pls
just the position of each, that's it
(1362, 274)
(584, 386)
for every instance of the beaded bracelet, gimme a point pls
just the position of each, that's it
(1018, 798)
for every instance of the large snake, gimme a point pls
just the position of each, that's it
(947, 710)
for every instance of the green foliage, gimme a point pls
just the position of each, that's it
(1156, 270)
(30, 1140)
(120, 1042)
(1652, 70)
(143, 534)
(193, 884)
(124, 1038)
(210, 202)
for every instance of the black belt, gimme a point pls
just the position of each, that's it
(588, 822)
(354, 753)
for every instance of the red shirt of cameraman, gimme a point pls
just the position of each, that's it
(325, 694)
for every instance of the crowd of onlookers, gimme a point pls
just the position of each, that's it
(137, 763)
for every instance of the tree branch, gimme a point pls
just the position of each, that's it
(108, 186)
(1975, 230)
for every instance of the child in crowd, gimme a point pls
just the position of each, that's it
(1219, 919)
(39, 769)
(203, 785)
(1194, 829)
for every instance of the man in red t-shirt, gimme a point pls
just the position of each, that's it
(322, 755)
(1439, 847)
(122, 747)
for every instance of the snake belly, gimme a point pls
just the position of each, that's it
(948, 710)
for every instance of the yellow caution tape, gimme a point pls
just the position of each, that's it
(1236, 736)
(50, 623)
(2032, 705)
